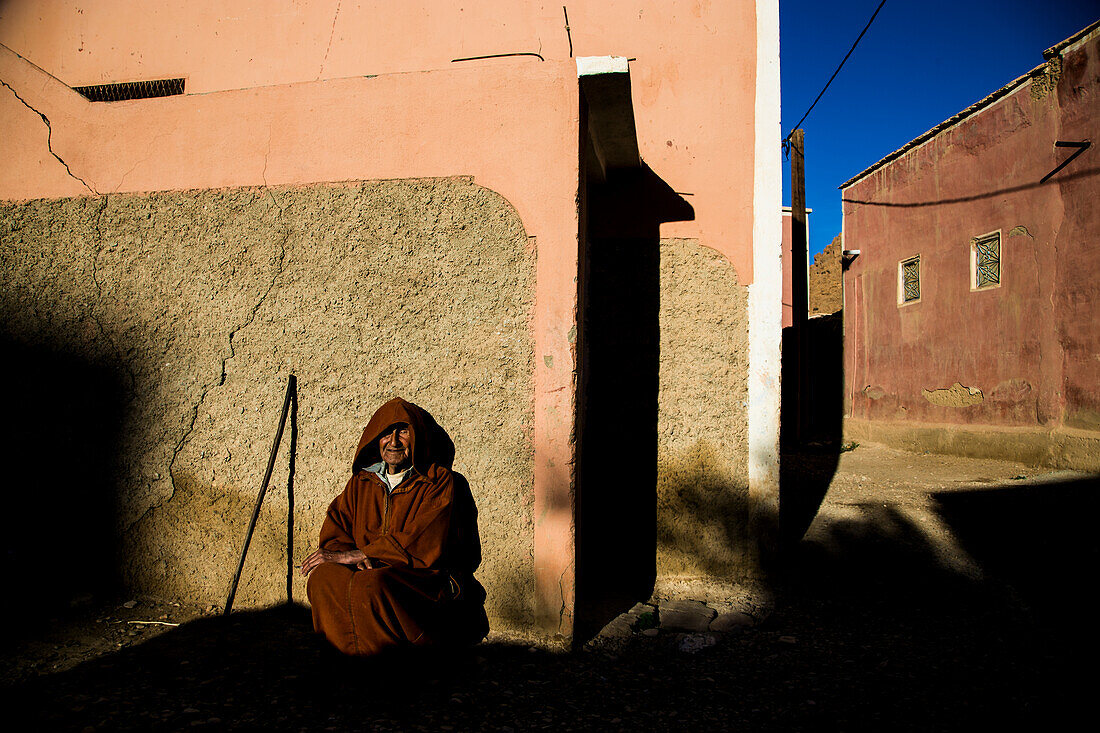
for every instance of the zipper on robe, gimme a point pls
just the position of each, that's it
(386, 505)
(386, 511)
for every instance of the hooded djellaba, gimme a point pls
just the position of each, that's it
(419, 538)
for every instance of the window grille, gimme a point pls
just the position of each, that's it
(131, 90)
(986, 259)
(910, 280)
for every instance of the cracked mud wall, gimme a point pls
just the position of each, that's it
(197, 305)
(702, 482)
(826, 275)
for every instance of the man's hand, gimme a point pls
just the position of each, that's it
(344, 557)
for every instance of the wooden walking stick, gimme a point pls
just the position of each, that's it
(291, 393)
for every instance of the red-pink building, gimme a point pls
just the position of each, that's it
(971, 312)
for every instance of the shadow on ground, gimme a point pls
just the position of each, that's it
(1040, 540)
(871, 632)
(811, 422)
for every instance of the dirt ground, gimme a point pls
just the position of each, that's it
(929, 593)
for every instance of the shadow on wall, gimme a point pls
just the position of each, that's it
(808, 461)
(185, 304)
(60, 441)
(704, 518)
(619, 342)
(1061, 180)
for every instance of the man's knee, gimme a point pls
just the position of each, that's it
(327, 578)
(374, 581)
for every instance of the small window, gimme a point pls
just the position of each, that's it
(909, 280)
(985, 261)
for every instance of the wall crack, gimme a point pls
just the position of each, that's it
(263, 174)
(331, 34)
(190, 429)
(279, 267)
(561, 592)
(99, 296)
(49, 138)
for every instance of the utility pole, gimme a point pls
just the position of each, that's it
(800, 287)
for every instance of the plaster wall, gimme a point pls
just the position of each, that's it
(279, 98)
(702, 473)
(403, 126)
(198, 304)
(692, 70)
(1026, 353)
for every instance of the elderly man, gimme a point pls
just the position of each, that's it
(395, 562)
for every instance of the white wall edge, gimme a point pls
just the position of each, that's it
(592, 65)
(766, 291)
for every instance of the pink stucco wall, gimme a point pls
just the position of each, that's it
(692, 70)
(323, 90)
(414, 125)
(1031, 345)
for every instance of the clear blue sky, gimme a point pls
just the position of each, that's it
(920, 63)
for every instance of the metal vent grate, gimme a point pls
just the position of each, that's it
(987, 260)
(131, 90)
(910, 278)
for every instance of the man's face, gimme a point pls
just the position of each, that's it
(395, 445)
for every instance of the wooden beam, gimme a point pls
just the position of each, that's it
(800, 287)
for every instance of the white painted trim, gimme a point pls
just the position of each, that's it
(766, 291)
(592, 65)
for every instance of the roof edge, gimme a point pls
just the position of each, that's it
(978, 106)
(1079, 35)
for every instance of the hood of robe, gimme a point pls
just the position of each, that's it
(421, 438)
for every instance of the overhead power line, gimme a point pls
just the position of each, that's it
(838, 68)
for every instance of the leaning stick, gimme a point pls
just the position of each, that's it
(291, 388)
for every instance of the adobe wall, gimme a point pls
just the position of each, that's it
(826, 278)
(702, 480)
(200, 303)
(395, 127)
(335, 92)
(1025, 355)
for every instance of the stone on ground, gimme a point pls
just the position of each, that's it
(686, 616)
(732, 621)
(694, 643)
(620, 627)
